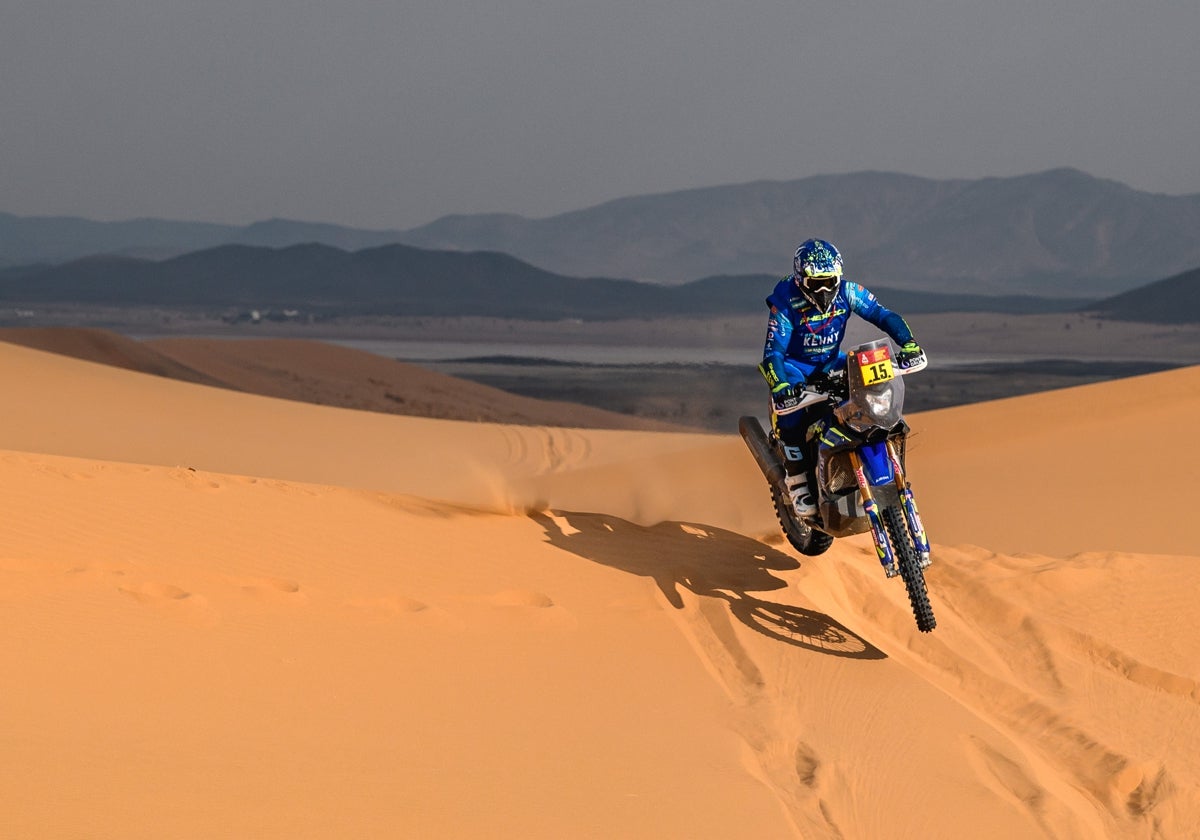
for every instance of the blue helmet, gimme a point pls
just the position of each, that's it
(817, 271)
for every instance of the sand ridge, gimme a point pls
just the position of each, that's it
(318, 372)
(233, 615)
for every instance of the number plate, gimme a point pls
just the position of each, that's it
(876, 365)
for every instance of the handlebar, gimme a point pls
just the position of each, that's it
(832, 385)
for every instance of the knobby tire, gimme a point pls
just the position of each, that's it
(804, 538)
(910, 567)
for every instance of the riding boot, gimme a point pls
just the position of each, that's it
(802, 498)
(798, 478)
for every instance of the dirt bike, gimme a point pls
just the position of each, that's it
(858, 438)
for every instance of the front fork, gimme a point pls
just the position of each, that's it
(915, 527)
(883, 546)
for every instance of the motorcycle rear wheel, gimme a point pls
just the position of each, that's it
(910, 567)
(804, 538)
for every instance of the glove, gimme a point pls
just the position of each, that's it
(909, 353)
(782, 393)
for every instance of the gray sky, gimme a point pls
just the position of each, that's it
(381, 113)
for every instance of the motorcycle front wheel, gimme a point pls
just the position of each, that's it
(909, 563)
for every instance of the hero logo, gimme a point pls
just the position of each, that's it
(823, 317)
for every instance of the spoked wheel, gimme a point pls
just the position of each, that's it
(910, 567)
(804, 538)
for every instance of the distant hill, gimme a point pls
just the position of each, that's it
(402, 280)
(1060, 233)
(57, 239)
(394, 279)
(52, 240)
(1175, 300)
(1057, 233)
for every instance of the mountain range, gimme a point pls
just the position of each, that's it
(1060, 233)
(403, 280)
(400, 280)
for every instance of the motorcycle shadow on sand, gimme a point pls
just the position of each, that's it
(708, 562)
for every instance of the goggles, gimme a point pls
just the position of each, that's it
(827, 283)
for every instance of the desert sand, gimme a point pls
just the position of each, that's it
(233, 615)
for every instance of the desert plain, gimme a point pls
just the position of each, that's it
(227, 614)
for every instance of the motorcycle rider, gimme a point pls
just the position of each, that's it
(807, 323)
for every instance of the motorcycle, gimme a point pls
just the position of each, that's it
(858, 438)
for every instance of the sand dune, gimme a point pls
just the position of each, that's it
(234, 615)
(1092, 468)
(321, 373)
(105, 347)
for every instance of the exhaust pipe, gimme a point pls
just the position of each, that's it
(756, 440)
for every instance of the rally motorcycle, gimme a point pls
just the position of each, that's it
(857, 437)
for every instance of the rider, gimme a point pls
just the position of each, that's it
(808, 318)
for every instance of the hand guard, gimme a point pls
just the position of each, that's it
(911, 355)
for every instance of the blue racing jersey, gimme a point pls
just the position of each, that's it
(802, 339)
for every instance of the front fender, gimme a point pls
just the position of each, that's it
(877, 465)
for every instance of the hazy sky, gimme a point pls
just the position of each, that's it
(390, 113)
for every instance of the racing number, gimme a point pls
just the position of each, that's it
(878, 372)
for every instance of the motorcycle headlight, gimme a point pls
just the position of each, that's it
(879, 404)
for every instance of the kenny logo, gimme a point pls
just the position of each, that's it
(818, 340)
